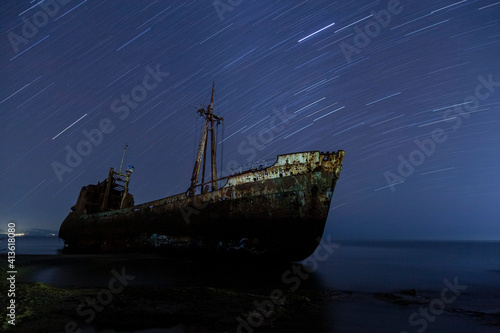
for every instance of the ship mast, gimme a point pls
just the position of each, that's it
(123, 156)
(210, 119)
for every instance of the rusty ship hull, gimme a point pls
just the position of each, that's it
(275, 212)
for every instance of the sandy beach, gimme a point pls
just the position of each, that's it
(150, 293)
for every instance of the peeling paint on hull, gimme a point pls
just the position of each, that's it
(278, 212)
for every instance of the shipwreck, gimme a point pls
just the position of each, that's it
(275, 212)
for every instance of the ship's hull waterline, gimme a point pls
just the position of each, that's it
(278, 212)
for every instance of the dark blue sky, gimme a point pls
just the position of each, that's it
(410, 90)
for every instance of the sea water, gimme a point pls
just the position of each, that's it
(387, 266)
(33, 244)
(429, 268)
(360, 267)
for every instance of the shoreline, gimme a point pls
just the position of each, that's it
(209, 297)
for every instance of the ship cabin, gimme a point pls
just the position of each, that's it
(110, 194)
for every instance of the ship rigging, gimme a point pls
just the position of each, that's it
(209, 128)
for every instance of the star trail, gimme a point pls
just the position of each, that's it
(409, 89)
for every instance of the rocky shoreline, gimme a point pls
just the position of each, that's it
(123, 303)
(44, 309)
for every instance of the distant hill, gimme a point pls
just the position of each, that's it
(34, 232)
(40, 232)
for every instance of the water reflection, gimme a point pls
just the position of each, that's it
(251, 281)
(155, 270)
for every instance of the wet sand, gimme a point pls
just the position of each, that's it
(150, 293)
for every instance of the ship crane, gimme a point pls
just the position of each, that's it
(210, 120)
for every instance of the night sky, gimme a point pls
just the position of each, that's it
(410, 90)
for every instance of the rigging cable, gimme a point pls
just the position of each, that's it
(222, 145)
(195, 137)
(222, 152)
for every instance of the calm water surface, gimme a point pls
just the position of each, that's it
(363, 267)
(360, 266)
